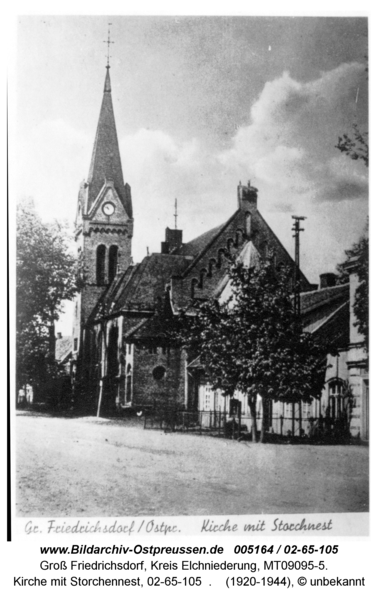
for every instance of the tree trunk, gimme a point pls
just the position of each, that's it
(252, 407)
(263, 418)
(52, 339)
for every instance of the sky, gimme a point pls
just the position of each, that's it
(201, 103)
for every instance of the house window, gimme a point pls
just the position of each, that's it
(207, 398)
(113, 262)
(335, 399)
(100, 265)
(75, 344)
(128, 385)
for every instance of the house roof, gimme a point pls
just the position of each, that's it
(63, 348)
(315, 299)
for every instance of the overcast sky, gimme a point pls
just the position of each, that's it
(201, 103)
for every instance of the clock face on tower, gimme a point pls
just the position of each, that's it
(108, 209)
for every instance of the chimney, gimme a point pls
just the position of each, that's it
(247, 196)
(327, 280)
(173, 240)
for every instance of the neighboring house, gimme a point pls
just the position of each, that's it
(63, 351)
(344, 404)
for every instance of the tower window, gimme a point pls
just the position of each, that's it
(100, 265)
(113, 262)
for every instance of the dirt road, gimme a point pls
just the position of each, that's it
(94, 467)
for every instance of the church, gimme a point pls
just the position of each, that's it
(122, 359)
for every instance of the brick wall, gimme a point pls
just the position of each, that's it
(170, 388)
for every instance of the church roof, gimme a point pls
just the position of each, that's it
(141, 287)
(200, 243)
(106, 158)
(206, 274)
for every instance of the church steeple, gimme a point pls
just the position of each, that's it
(106, 158)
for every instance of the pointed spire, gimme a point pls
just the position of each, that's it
(107, 86)
(106, 158)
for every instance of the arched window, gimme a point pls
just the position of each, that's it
(248, 224)
(194, 284)
(220, 257)
(202, 277)
(264, 250)
(230, 244)
(113, 262)
(239, 238)
(113, 366)
(212, 263)
(100, 265)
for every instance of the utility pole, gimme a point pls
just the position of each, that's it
(297, 305)
(297, 278)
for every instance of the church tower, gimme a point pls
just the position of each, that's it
(104, 219)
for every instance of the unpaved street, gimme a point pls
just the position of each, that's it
(95, 467)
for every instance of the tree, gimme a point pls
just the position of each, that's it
(254, 342)
(45, 277)
(359, 253)
(357, 148)
(356, 145)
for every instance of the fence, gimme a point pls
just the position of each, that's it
(221, 424)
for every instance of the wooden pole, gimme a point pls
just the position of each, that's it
(99, 399)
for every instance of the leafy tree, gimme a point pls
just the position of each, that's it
(356, 145)
(357, 148)
(254, 342)
(359, 254)
(45, 276)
